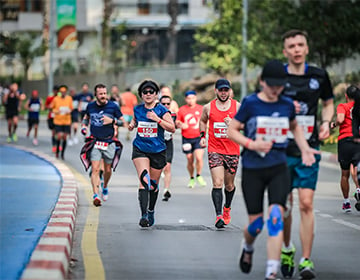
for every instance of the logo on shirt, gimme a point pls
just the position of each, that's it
(314, 84)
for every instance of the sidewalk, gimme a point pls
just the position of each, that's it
(38, 207)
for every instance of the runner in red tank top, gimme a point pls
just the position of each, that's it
(223, 154)
(347, 147)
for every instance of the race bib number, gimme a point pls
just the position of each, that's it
(167, 135)
(272, 129)
(101, 145)
(35, 107)
(220, 129)
(307, 124)
(147, 129)
(75, 104)
(186, 147)
(64, 110)
(83, 105)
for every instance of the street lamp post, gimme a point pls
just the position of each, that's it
(244, 50)
(51, 47)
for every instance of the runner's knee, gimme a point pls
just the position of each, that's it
(145, 179)
(275, 223)
(256, 226)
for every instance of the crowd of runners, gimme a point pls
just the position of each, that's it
(275, 131)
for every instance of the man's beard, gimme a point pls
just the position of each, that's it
(102, 101)
(222, 100)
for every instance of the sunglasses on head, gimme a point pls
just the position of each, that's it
(150, 91)
(165, 103)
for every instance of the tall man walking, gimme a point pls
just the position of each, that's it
(223, 154)
(306, 86)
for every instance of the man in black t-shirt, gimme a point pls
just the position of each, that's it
(306, 86)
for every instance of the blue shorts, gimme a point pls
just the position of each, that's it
(128, 118)
(189, 145)
(303, 176)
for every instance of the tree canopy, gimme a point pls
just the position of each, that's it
(333, 27)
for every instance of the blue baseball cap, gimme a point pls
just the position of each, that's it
(222, 83)
(190, 92)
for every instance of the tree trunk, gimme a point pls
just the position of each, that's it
(172, 32)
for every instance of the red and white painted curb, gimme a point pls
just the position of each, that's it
(51, 256)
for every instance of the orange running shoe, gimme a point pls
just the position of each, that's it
(219, 223)
(226, 215)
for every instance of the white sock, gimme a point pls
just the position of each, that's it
(272, 267)
(288, 248)
(346, 200)
(248, 247)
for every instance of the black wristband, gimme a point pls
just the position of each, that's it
(202, 134)
(113, 122)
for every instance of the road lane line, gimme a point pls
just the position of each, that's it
(93, 265)
(351, 225)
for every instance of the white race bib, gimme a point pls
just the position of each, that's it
(272, 128)
(35, 107)
(64, 110)
(167, 135)
(307, 124)
(220, 129)
(101, 145)
(147, 129)
(83, 105)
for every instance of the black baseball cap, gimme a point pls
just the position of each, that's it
(222, 83)
(274, 73)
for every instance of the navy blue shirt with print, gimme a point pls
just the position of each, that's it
(96, 113)
(150, 135)
(270, 121)
(35, 106)
(307, 89)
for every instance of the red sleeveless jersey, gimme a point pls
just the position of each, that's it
(218, 141)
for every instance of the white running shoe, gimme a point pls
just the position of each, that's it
(76, 140)
(70, 142)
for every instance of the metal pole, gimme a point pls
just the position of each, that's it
(51, 45)
(244, 50)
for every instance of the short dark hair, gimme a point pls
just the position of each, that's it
(352, 91)
(163, 97)
(98, 86)
(63, 86)
(294, 32)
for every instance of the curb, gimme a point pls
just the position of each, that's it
(51, 256)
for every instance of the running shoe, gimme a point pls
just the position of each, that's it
(201, 181)
(166, 195)
(219, 223)
(306, 269)
(9, 139)
(53, 149)
(151, 217)
(191, 183)
(272, 276)
(346, 207)
(105, 194)
(357, 195)
(287, 262)
(226, 215)
(70, 142)
(144, 222)
(97, 200)
(35, 142)
(14, 137)
(76, 140)
(245, 261)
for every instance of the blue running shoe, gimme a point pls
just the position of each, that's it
(144, 222)
(151, 217)
(105, 194)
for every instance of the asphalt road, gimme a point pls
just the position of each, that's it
(184, 244)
